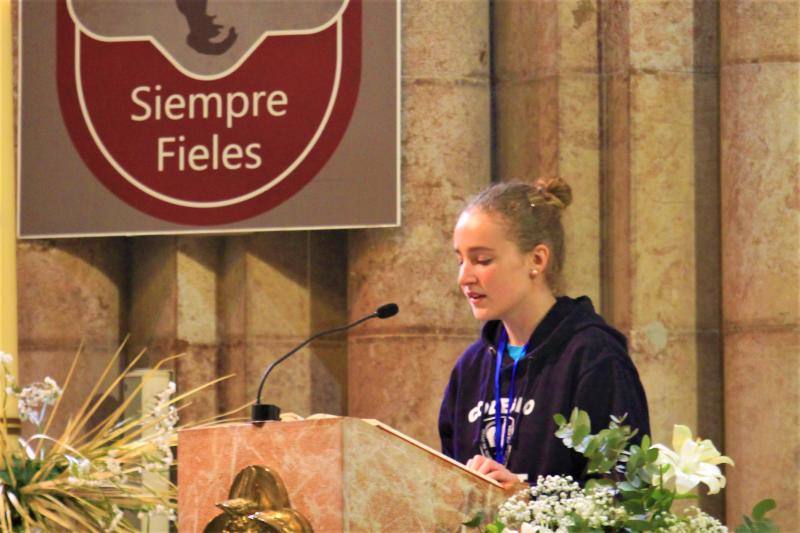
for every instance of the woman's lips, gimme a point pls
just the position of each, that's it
(475, 297)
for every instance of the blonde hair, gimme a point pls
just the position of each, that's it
(532, 214)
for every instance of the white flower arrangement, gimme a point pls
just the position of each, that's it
(632, 486)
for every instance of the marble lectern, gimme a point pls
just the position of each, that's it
(343, 474)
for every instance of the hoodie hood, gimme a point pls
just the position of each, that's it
(566, 318)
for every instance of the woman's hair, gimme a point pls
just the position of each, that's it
(532, 214)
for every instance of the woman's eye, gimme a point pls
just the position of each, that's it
(483, 261)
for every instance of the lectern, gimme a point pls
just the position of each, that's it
(343, 474)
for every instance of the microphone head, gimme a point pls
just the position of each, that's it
(386, 311)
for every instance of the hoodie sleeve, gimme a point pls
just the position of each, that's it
(446, 414)
(611, 386)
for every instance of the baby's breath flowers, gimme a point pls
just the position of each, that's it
(692, 521)
(558, 503)
(34, 399)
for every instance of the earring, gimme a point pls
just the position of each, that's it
(534, 272)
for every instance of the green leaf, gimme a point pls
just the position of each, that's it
(559, 419)
(495, 528)
(759, 523)
(652, 455)
(475, 521)
(637, 525)
(763, 507)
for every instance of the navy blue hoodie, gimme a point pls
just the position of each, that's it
(573, 359)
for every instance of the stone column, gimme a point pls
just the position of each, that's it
(71, 293)
(661, 216)
(174, 310)
(398, 368)
(276, 290)
(546, 87)
(760, 123)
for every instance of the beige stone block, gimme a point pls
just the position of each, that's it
(662, 200)
(577, 36)
(288, 386)
(71, 291)
(232, 359)
(197, 367)
(527, 116)
(579, 164)
(153, 312)
(760, 110)
(400, 380)
(526, 39)
(445, 39)
(758, 31)
(328, 279)
(277, 285)
(673, 35)
(328, 376)
(537, 40)
(446, 161)
(667, 364)
(445, 146)
(614, 36)
(313, 380)
(197, 267)
(233, 289)
(278, 289)
(762, 400)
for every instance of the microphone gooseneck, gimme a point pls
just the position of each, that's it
(262, 412)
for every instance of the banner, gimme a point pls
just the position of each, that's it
(181, 116)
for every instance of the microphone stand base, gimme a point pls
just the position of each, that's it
(262, 412)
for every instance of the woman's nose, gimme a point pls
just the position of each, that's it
(465, 275)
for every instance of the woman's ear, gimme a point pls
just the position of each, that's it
(539, 258)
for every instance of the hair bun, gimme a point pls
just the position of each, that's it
(551, 191)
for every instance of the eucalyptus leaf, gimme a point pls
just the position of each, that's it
(475, 521)
(763, 507)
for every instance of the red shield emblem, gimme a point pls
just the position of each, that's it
(206, 148)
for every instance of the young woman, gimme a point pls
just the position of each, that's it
(538, 354)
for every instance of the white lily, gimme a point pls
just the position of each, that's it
(694, 461)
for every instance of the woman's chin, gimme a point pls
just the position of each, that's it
(482, 314)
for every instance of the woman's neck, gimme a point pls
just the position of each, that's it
(520, 327)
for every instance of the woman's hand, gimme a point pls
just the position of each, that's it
(494, 470)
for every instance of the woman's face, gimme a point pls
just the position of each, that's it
(493, 273)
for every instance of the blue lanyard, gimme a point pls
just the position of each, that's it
(501, 432)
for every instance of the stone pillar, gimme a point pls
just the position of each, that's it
(546, 87)
(661, 216)
(276, 290)
(174, 310)
(71, 293)
(398, 368)
(760, 112)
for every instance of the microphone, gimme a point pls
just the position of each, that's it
(263, 412)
